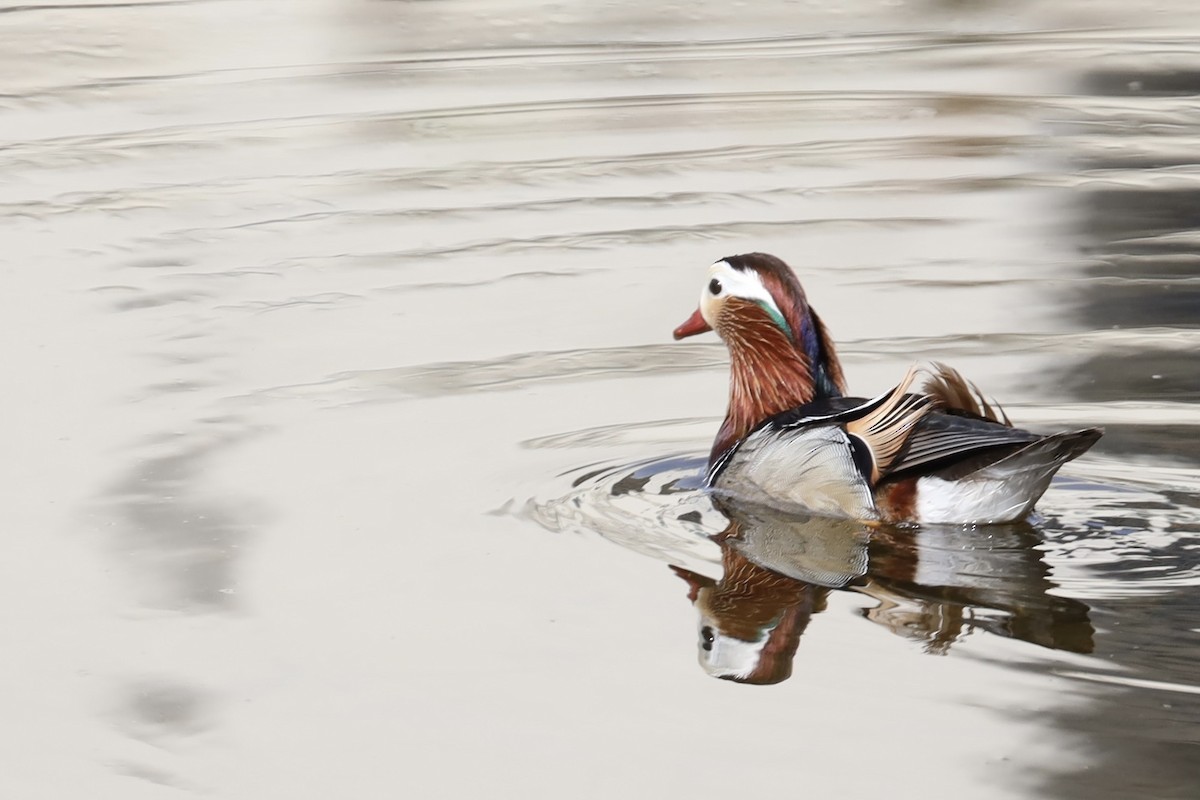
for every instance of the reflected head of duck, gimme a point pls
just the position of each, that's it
(750, 621)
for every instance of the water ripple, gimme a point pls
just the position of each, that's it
(1104, 539)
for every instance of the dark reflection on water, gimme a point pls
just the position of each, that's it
(1142, 243)
(163, 709)
(179, 545)
(934, 585)
(1143, 247)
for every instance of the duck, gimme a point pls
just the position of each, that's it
(792, 438)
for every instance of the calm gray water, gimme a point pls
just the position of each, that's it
(348, 453)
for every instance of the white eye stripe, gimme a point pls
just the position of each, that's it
(735, 283)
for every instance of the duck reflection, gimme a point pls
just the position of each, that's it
(932, 584)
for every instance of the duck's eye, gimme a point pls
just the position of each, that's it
(714, 286)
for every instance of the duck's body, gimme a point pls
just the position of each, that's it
(789, 437)
(951, 469)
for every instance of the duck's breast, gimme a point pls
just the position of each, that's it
(810, 467)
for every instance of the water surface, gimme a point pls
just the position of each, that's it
(349, 454)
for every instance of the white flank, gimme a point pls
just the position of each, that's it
(979, 500)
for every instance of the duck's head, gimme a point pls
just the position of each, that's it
(781, 355)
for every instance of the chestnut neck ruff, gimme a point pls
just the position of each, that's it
(768, 374)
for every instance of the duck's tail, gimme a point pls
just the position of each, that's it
(1050, 452)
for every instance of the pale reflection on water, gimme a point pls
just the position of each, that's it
(298, 292)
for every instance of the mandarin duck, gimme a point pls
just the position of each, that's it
(791, 438)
